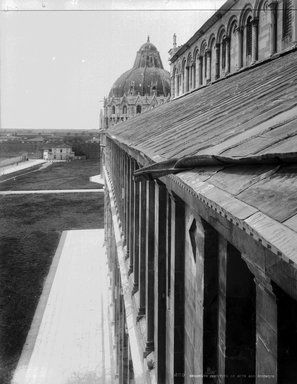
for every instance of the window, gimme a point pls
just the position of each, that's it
(287, 18)
(138, 109)
(249, 36)
(124, 109)
(113, 109)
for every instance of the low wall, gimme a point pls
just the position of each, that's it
(13, 160)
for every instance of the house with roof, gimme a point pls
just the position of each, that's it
(201, 210)
(58, 152)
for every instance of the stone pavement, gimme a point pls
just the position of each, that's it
(70, 340)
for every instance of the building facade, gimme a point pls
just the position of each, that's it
(236, 37)
(201, 217)
(58, 152)
(142, 88)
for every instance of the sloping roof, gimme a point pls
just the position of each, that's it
(55, 145)
(251, 113)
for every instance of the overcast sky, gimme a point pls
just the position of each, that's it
(57, 66)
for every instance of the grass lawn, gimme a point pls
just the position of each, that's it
(30, 229)
(61, 175)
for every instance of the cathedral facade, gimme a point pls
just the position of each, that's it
(143, 87)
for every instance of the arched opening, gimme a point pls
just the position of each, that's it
(249, 41)
(113, 110)
(287, 19)
(233, 51)
(184, 77)
(138, 109)
(245, 37)
(203, 63)
(264, 46)
(125, 109)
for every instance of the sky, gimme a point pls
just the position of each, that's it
(60, 59)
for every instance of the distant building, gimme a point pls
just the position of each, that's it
(58, 152)
(143, 87)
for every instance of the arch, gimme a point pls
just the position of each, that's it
(203, 47)
(195, 53)
(203, 63)
(233, 43)
(257, 8)
(262, 14)
(188, 73)
(189, 59)
(211, 40)
(245, 23)
(221, 40)
(245, 13)
(221, 33)
(233, 22)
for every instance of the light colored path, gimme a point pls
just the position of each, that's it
(20, 166)
(51, 191)
(97, 179)
(70, 341)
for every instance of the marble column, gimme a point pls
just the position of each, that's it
(208, 58)
(240, 46)
(273, 14)
(255, 24)
(228, 47)
(200, 75)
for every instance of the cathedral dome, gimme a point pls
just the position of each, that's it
(147, 77)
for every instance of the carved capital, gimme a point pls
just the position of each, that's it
(255, 23)
(239, 29)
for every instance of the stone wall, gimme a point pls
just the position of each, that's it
(220, 46)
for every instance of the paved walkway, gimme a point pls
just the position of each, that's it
(50, 191)
(21, 165)
(70, 341)
(97, 179)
